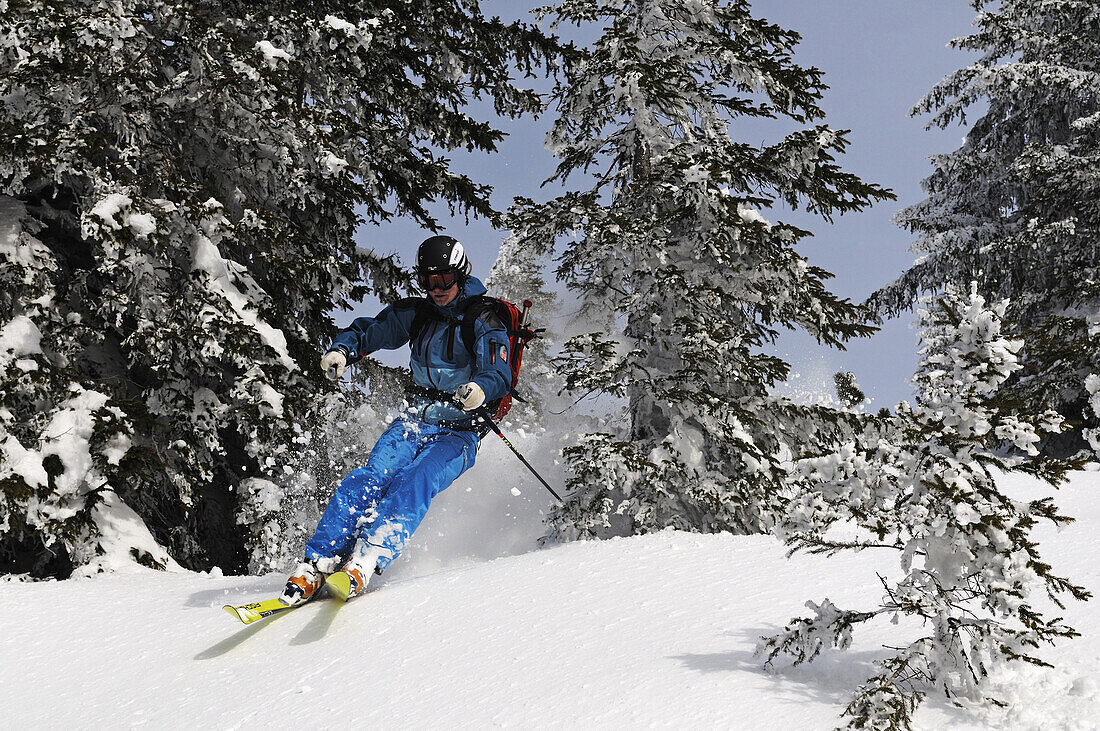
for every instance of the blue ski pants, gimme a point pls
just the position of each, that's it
(384, 501)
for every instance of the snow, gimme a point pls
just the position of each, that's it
(332, 164)
(109, 207)
(207, 258)
(12, 247)
(125, 537)
(142, 224)
(67, 438)
(19, 336)
(340, 24)
(751, 215)
(116, 206)
(272, 55)
(655, 631)
(268, 494)
(21, 462)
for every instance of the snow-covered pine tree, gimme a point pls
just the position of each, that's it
(518, 275)
(1017, 207)
(683, 283)
(923, 481)
(848, 392)
(181, 180)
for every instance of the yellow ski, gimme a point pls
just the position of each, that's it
(340, 584)
(249, 613)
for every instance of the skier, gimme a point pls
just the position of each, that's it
(377, 507)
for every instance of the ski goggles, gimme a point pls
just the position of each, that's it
(432, 282)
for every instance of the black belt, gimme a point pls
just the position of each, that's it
(443, 397)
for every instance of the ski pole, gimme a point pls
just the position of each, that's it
(483, 412)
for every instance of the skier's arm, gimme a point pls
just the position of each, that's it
(491, 352)
(387, 330)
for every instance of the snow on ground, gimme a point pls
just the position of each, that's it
(647, 632)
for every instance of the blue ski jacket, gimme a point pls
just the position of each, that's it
(439, 358)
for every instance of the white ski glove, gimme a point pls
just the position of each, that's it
(333, 363)
(469, 396)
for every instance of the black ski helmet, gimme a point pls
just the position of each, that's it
(440, 254)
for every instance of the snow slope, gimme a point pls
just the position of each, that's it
(648, 632)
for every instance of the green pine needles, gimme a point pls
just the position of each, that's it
(683, 282)
(923, 481)
(1015, 208)
(186, 178)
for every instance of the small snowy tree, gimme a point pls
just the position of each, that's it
(517, 276)
(1015, 208)
(683, 283)
(848, 391)
(188, 175)
(923, 481)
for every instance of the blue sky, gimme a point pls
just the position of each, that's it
(879, 58)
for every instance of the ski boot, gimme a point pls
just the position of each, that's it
(353, 578)
(302, 584)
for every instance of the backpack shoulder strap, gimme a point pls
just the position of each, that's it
(425, 313)
(481, 307)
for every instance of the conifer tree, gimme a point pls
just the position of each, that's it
(517, 275)
(848, 392)
(1016, 207)
(683, 283)
(181, 181)
(923, 481)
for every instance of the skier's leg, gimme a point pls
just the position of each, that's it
(352, 505)
(445, 455)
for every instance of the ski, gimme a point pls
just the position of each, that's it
(249, 613)
(340, 584)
